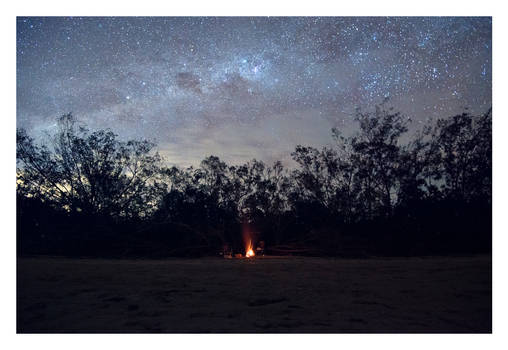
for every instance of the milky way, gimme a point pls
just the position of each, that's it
(244, 88)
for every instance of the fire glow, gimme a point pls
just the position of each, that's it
(249, 252)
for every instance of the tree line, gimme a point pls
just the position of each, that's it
(379, 191)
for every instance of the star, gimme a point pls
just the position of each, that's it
(213, 85)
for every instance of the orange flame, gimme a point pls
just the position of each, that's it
(249, 251)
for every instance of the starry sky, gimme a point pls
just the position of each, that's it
(246, 87)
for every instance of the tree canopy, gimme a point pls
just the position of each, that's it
(369, 189)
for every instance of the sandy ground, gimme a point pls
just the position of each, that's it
(284, 295)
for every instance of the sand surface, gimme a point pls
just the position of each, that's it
(284, 295)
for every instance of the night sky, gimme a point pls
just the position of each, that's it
(244, 88)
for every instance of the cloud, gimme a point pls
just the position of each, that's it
(269, 140)
(189, 81)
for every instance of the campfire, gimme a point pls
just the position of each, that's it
(249, 252)
(252, 246)
(249, 235)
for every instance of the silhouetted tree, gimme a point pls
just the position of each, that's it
(376, 157)
(370, 192)
(90, 172)
(462, 147)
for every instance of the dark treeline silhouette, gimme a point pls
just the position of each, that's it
(89, 194)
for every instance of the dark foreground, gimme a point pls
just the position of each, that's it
(286, 295)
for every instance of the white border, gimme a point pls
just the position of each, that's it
(251, 8)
